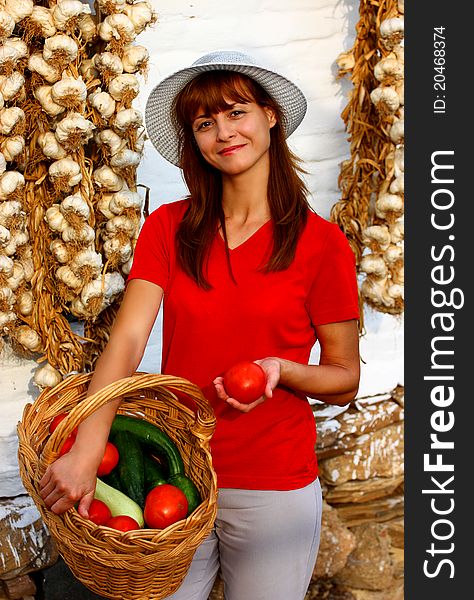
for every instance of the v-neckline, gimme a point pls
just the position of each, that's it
(247, 240)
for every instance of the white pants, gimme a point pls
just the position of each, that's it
(265, 543)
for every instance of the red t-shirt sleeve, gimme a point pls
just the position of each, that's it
(151, 259)
(333, 295)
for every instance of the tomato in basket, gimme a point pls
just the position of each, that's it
(164, 505)
(68, 444)
(99, 512)
(55, 422)
(109, 460)
(123, 523)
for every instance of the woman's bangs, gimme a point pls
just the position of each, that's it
(210, 93)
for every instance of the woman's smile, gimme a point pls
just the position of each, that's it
(231, 149)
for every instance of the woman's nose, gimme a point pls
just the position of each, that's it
(225, 130)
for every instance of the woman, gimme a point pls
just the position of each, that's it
(246, 271)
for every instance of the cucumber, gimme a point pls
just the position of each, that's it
(130, 466)
(113, 480)
(153, 438)
(154, 474)
(189, 489)
(119, 503)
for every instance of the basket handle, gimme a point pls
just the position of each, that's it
(203, 426)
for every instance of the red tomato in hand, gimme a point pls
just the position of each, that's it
(55, 422)
(245, 381)
(109, 460)
(164, 505)
(123, 523)
(99, 512)
(68, 444)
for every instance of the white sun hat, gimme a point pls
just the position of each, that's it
(159, 124)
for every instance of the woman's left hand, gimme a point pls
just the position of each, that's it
(272, 368)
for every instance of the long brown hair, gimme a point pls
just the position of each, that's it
(287, 192)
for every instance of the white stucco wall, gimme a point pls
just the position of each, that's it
(299, 38)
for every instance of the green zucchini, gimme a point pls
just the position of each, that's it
(153, 438)
(189, 489)
(130, 466)
(119, 503)
(154, 474)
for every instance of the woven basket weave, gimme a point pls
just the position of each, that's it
(141, 564)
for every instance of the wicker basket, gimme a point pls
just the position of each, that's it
(142, 564)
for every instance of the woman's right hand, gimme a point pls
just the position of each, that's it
(69, 479)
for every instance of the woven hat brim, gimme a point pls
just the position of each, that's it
(162, 131)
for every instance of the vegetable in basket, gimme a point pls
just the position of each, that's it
(119, 503)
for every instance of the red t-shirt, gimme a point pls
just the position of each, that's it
(264, 314)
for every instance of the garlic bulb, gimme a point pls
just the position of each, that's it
(375, 291)
(7, 319)
(398, 275)
(399, 161)
(50, 146)
(112, 140)
(397, 131)
(9, 209)
(60, 251)
(108, 64)
(135, 58)
(11, 182)
(7, 298)
(6, 266)
(67, 170)
(12, 147)
(125, 158)
(102, 291)
(7, 25)
(117, 27)
(3, 163)
(87, 265)
(388, 70)
(393, 254)
(60, 48)
(65, 13)
(120, 225)
(112, 6)
(141, 14)
(388, 205)
(397, 231)
(11, 118)
(42, 18)
(47, 376)
(127, 118)
(87, 69)
(103, 103)
(5, 237)
(42, 93)
(392, 31)
(27, 263)
(74, 131)
(28, 338)
(374, 264)
(395, 292)
(17, 277)
(55, 219)
(376, 236)
(11, 85)
(18, 9)
(401, 6)
(124, 87)
(104, 177)
(346, 61)
(385, 99)
(67, 276)
(12, 51)
(25, 303)
(123, 200)
(87, 26)
(116, 251)
(75, 205)
(69, 92)
(127, 267)
(103, 205)
(398, 185)
(78, 235)
(37, 64)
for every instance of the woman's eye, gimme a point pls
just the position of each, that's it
(237, 113)
(204, 125)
